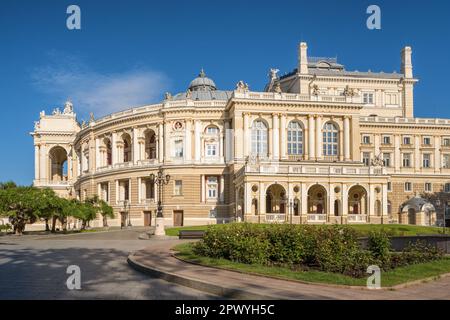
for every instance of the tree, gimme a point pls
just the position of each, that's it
(83, 211)
(7, 185)
(21, 205)
(102, 207)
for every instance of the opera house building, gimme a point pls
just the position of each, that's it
(319, 145)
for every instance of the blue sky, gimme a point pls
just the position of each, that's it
(130, 52)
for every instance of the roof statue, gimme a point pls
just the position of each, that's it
(167, 96)
(241, 86)
(68, 107)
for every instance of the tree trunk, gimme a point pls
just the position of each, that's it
(47, 227)
(105, 221)
(53, 224)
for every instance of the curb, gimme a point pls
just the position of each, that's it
(224, 292)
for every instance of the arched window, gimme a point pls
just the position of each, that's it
(259, 138)
(295, 139)
(330, 140)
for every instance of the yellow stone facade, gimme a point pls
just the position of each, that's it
(319, 145)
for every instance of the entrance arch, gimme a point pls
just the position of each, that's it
(58, 164)
(357, 200)
(275, 199)
(317, 199)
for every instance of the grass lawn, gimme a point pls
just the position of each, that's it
(363, 229)
(388, 279)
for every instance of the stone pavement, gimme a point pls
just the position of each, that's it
(34, 267)
(157, 260)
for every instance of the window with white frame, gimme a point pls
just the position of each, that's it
(366, 139)
(391, 98)
(446, 142)
(330, 139)
(386, 140)
(408, 186)
(368, 98)
(446, 161)
(426, 160)
(295, 138)
(428, 187)
(386, 159)
(406, 140)
(212, 187)
(407, 160)
(366, 158)
(212, 130)
(427, 141)
(178, 148)
(178, 188)
(259, 138)
(211, 150)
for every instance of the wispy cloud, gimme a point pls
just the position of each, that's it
(93, 91)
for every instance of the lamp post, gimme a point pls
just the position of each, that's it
(160, 180)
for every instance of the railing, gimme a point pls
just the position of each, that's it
(314, 169)
(146, 162)
(406, 120)
(275, 217)
(315, 217)
(356, 218)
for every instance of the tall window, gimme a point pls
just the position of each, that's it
(426, 160)
(408, 186)
(211, 149)
(178, 148)
(407, 160)
(259, 138)
(178, 188)
(446, 161)
(330, 140)
(212, 187)
(295, 138)
(387, 159)
(366, 158)
(368, 98)
(386, 140)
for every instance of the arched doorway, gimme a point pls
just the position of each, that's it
(317, 196)
(150, 144)
(58, 164)
(275, 199)
(357, 200)
(127, 148)
(411, 216)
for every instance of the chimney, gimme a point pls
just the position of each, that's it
(407, 69)
(303, 58)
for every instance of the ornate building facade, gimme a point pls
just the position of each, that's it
(319, 145)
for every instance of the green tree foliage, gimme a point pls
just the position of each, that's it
(101, 207)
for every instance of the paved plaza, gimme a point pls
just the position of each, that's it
(34, 267)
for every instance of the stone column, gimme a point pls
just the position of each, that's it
(397, 156)
(245, 140)
(36, 162)
(247, 198)
(221, 137)
(341, 144)
(166, 141)
(202, 188)
(304, 201)
(197, 138)
(43, 163)
(311, 131)
(98, 163)
(262, 199)
(371, 201)
(275, 137)
(222, 189)
(283, 140)
(160, 143)
(187, 141)
(331, 199)
(344, 200)
(114, 148)
(437, 154)
(227, 141)
(384, 202)
(417, 158)
(347, 141)
(319, 137)
(135, 146)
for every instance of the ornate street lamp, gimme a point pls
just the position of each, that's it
(160, 180)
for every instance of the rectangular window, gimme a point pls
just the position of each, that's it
(212, 187)
(386, 140)
(428, 187)
(407, 140)
(446, 142)
(426, 160)
(407, 160)
(387, 159)
(178, 188)
(368, 98)
(211, 150)
(408, 187)
(446, 161)
(389, 186)
(366, 158)
(427, 141)
(447, 187)
(178, 148)
(366, 139)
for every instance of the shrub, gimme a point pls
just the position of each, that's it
(379, 246)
